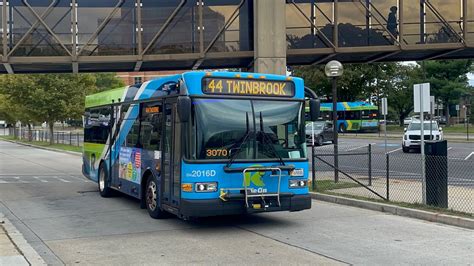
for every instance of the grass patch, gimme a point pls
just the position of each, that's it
(417, 206)
(64, 147)
(325, 185)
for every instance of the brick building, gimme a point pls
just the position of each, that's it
(130, 78)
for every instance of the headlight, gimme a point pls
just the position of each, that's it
(298, 183)
(206, 187)
(297, 172)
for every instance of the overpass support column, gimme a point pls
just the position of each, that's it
(270, 36)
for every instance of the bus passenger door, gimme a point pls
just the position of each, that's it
(171, 153)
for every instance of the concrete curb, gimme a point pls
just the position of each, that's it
(43, 148)
(30, 255)
(397, 210)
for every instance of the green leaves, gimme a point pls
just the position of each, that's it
(393, 80)
(50, 97)
(359, 81)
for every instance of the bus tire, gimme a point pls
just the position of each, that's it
(104, 182)
(151, 199)
(342, 128)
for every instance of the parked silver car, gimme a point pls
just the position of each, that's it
(320, 132)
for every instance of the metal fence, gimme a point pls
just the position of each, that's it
(73, 138)
(367, 171)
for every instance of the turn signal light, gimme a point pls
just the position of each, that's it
(187, 187)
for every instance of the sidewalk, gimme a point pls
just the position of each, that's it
(14, 250)
(402, 190)
(9, 253)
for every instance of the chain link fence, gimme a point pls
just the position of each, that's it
(367, 171)
(73, 138)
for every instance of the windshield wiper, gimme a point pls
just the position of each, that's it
(266, 140)
(241, 141)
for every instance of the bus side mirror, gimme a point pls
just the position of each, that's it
(184, 108)
(314, 109)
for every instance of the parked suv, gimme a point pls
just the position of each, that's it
(412, 136)
(321, 130)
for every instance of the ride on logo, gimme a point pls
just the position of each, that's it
(254, 177)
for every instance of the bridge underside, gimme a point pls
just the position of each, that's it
(41, 36)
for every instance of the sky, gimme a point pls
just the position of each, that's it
(471, 78)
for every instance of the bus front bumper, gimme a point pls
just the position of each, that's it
(216, 207)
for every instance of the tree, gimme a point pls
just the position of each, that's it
(448, 79)
(15, 103)
(49, 98)
(107, 81)
(400, 94)
(359, 81)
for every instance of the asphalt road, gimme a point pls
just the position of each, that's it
(62, 216)
(401, 165)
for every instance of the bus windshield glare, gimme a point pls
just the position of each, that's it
(221, 126)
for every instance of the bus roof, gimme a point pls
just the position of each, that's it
(349, 106)
(193, 81)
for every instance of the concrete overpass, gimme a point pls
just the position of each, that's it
(265, 35)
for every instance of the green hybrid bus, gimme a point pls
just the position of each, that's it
(353, 116)
(201, 143)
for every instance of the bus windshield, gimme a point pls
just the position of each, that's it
(221, 126)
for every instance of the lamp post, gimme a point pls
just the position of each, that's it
(333, 70)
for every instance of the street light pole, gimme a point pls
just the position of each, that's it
(334, 69)
(335, 133)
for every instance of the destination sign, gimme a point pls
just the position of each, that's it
(249, 87)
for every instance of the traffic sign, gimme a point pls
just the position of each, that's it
(421, 97)
(384, 106)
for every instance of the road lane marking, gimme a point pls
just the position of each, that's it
(356, 148)
(450, 148)
(39, 179)
(63, 180)
(19, 180)
(469, 156)
(392, 151)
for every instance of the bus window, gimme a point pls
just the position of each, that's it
(151, 126)
(369, 114)
(215, 141)
(352, 115)
(340, 115)
(326, 115)
(282, 129)
(97, 125)
(131, 113)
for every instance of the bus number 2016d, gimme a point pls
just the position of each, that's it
(203, 173)
(216, 153)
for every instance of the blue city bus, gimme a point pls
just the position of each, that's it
(201, 144)
(353, 116)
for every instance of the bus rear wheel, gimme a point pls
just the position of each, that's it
(104, 183)
(151, 199)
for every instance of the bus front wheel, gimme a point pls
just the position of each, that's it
(342, 128)
(151, 198)
(104, 183)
